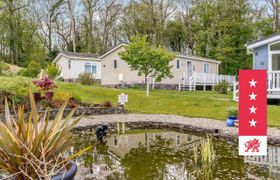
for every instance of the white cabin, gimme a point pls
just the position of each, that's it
(72, 64)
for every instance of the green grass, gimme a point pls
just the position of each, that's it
(192, 104)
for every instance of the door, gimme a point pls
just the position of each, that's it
(189, 70)
(121, 77)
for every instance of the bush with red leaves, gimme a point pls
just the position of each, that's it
(45, 84)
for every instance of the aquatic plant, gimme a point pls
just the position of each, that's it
(118, 127)
(123, 127)
(195, 153)
(207, 150)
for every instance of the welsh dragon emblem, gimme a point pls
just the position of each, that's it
(252, 145)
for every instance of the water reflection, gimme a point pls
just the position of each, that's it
(166, 155)
(270, 163)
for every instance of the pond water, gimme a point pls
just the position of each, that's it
(168, 155)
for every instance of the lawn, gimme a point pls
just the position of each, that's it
(192, 104)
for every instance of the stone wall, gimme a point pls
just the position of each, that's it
(91, 111)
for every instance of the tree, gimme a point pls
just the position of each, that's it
(90, 6)
(53, 70)
(175, 36)
(275, 8)
(72, 23)
(147, 60)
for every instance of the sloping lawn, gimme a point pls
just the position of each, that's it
(193, 104)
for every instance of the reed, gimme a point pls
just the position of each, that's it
(123, 127)
(195, 153)
(118, 127)
(207, 150)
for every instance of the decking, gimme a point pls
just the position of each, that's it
(273, 86)
(204, 80)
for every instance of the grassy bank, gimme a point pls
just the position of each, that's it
(193, 104)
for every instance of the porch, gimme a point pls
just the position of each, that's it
(273, 86)
(204, 80)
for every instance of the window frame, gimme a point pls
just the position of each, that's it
(92, 67)
(204, 68)
(115, 64)
(177, 63)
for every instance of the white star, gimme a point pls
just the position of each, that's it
(252, 83)
(252, 123)
(252, 96)
(253, 110)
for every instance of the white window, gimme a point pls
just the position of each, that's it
(206, 68)
(90, 68)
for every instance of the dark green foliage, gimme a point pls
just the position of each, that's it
(86, 79)
(175, 35)
(222, 87)
(53, 70)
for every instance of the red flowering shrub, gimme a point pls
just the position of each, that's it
(45, 84)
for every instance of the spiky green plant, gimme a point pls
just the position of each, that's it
(34, 147)
(123, 127)
(195, 153)
(207, 150)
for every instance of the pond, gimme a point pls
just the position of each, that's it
(143, 154)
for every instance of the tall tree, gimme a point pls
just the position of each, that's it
(175, 35)
(109, 13)
(275, 5)
(72, 23)
(46, 13)
(91, 7)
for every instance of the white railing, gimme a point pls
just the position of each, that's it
(273, 84)
(212, 79)
(273, 81)
(235, 91)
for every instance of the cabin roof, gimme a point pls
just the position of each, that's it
(264, 41)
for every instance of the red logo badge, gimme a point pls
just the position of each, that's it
(252, 112)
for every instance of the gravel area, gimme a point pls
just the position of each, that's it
(194, 123)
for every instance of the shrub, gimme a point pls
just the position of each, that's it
(45, 84)
(34, 147)
(233, 111)
(23, 72)
(222, 87)
(62, 97)
(3, 67)
(33, 69)
(17, 89)
(53, 70)
(86, 79)
(107, 104)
